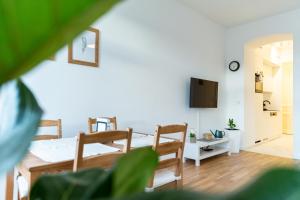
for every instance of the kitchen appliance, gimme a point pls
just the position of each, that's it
(259, 85)
(265, 104)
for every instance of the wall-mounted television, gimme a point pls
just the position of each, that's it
(203, 93)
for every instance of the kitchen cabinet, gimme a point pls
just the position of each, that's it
(276, 124)
(269, 126)
(273, 125)
(268, 70)
(268, 84)
(268, 77)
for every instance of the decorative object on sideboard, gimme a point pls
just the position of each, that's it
(207, 148)
(208, 136)
(234, 66)
(218, 134)
(259, 86)
(193, 138)
(85, 49)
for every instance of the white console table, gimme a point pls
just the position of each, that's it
(193, 150)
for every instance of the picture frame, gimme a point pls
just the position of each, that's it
(84, 50)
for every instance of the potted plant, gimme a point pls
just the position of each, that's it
(235, 136)
(231, 124)
(193, 138)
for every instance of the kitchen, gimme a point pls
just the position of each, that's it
(273, 99)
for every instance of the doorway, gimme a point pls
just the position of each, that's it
(269, 106)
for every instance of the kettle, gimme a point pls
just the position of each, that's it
(218, 134)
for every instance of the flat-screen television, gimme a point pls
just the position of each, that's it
(203, 93)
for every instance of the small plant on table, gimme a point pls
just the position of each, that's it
(193, 137)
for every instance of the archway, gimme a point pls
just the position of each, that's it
(257, 129)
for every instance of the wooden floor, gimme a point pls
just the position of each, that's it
(227, 173)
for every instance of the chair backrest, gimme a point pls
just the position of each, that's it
(104, 160)
(50, 123)
(175, 147)
(93, 121)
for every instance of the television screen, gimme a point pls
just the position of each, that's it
(203, 93)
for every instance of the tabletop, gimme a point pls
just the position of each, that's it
(59, 154)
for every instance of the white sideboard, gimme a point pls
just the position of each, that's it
(193, 150)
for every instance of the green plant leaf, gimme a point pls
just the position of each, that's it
(32, 30)
(276, 184)
(20, 118)
(124, 179)
(72, 185)
(133, 172)
(173, 194)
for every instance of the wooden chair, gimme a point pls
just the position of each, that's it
(50, 123)
(23, 187)
(169, 171)
(104, 160)
(93, 121)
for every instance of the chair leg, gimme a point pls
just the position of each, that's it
(23, 198)
(179, 184)
(18, 191)
(9, 185)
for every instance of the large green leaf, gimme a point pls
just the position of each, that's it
(133, 172)
(32, 30)
(72, 185)
(128, 177)
(20, 117)
(277, 184)
(174, 195)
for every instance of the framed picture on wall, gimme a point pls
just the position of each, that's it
(84, 50)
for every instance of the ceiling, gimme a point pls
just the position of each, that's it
(235, 12)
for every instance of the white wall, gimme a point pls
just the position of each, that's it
(237, 86)
(149, 51)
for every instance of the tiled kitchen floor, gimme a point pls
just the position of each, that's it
(282, 147)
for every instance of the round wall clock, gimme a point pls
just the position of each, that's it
(234, 66)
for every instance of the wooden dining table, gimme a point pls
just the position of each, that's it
(32, 166)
